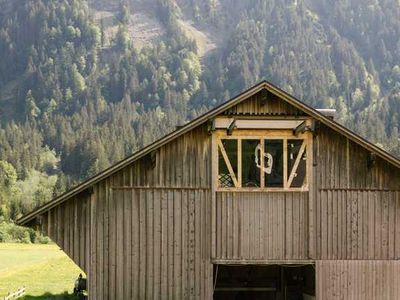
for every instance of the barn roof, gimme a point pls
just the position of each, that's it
(264, 85)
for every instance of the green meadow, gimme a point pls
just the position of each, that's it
(44, 270)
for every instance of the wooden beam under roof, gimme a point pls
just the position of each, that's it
(256, 124)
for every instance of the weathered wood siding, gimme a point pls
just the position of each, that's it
(342, 164)
(355, 212)
(157, 245)
(261, 103)
(258, 226)
(358, 225)
(358, 280)
(183, 162)
(69, 226)
(157, 213)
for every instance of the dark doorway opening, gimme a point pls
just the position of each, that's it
(267, 282)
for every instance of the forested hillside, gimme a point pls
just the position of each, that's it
(84, 83)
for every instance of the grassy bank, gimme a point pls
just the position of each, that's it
(45, 271)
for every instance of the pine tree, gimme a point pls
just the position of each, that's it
(31, 109)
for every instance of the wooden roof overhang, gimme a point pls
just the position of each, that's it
(264, 85)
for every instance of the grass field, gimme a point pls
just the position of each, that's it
(44, 270)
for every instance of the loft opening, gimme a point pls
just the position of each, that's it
(267, 282)
(264, 159)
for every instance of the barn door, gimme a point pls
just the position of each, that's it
(266, 282)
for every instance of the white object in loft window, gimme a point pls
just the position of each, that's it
(268, 159)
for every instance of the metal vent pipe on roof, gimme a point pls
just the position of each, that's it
(328, 112)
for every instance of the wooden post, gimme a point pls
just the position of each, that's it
(214, 183)
(262, 163)
(311, 195)
(239, 162)
(285, 164)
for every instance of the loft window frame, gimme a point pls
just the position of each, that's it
(262, 135)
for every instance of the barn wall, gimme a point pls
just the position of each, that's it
(358, 225)
(351, 212)
(146, 194)
(342, 164)
(183, 162)
(358, 279)
(156, 245)
(261, 226)
(68, 225)
(355, 209)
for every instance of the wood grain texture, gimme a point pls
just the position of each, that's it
(355, 209)
(358, 225)
(67, 225)
(358, 279)
(169, 253)
(264, 103)
(261, 226)
(184, 162)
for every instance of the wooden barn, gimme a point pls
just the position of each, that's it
(262, 197)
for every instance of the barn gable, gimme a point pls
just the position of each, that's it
(252, 101)
(165, 212)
